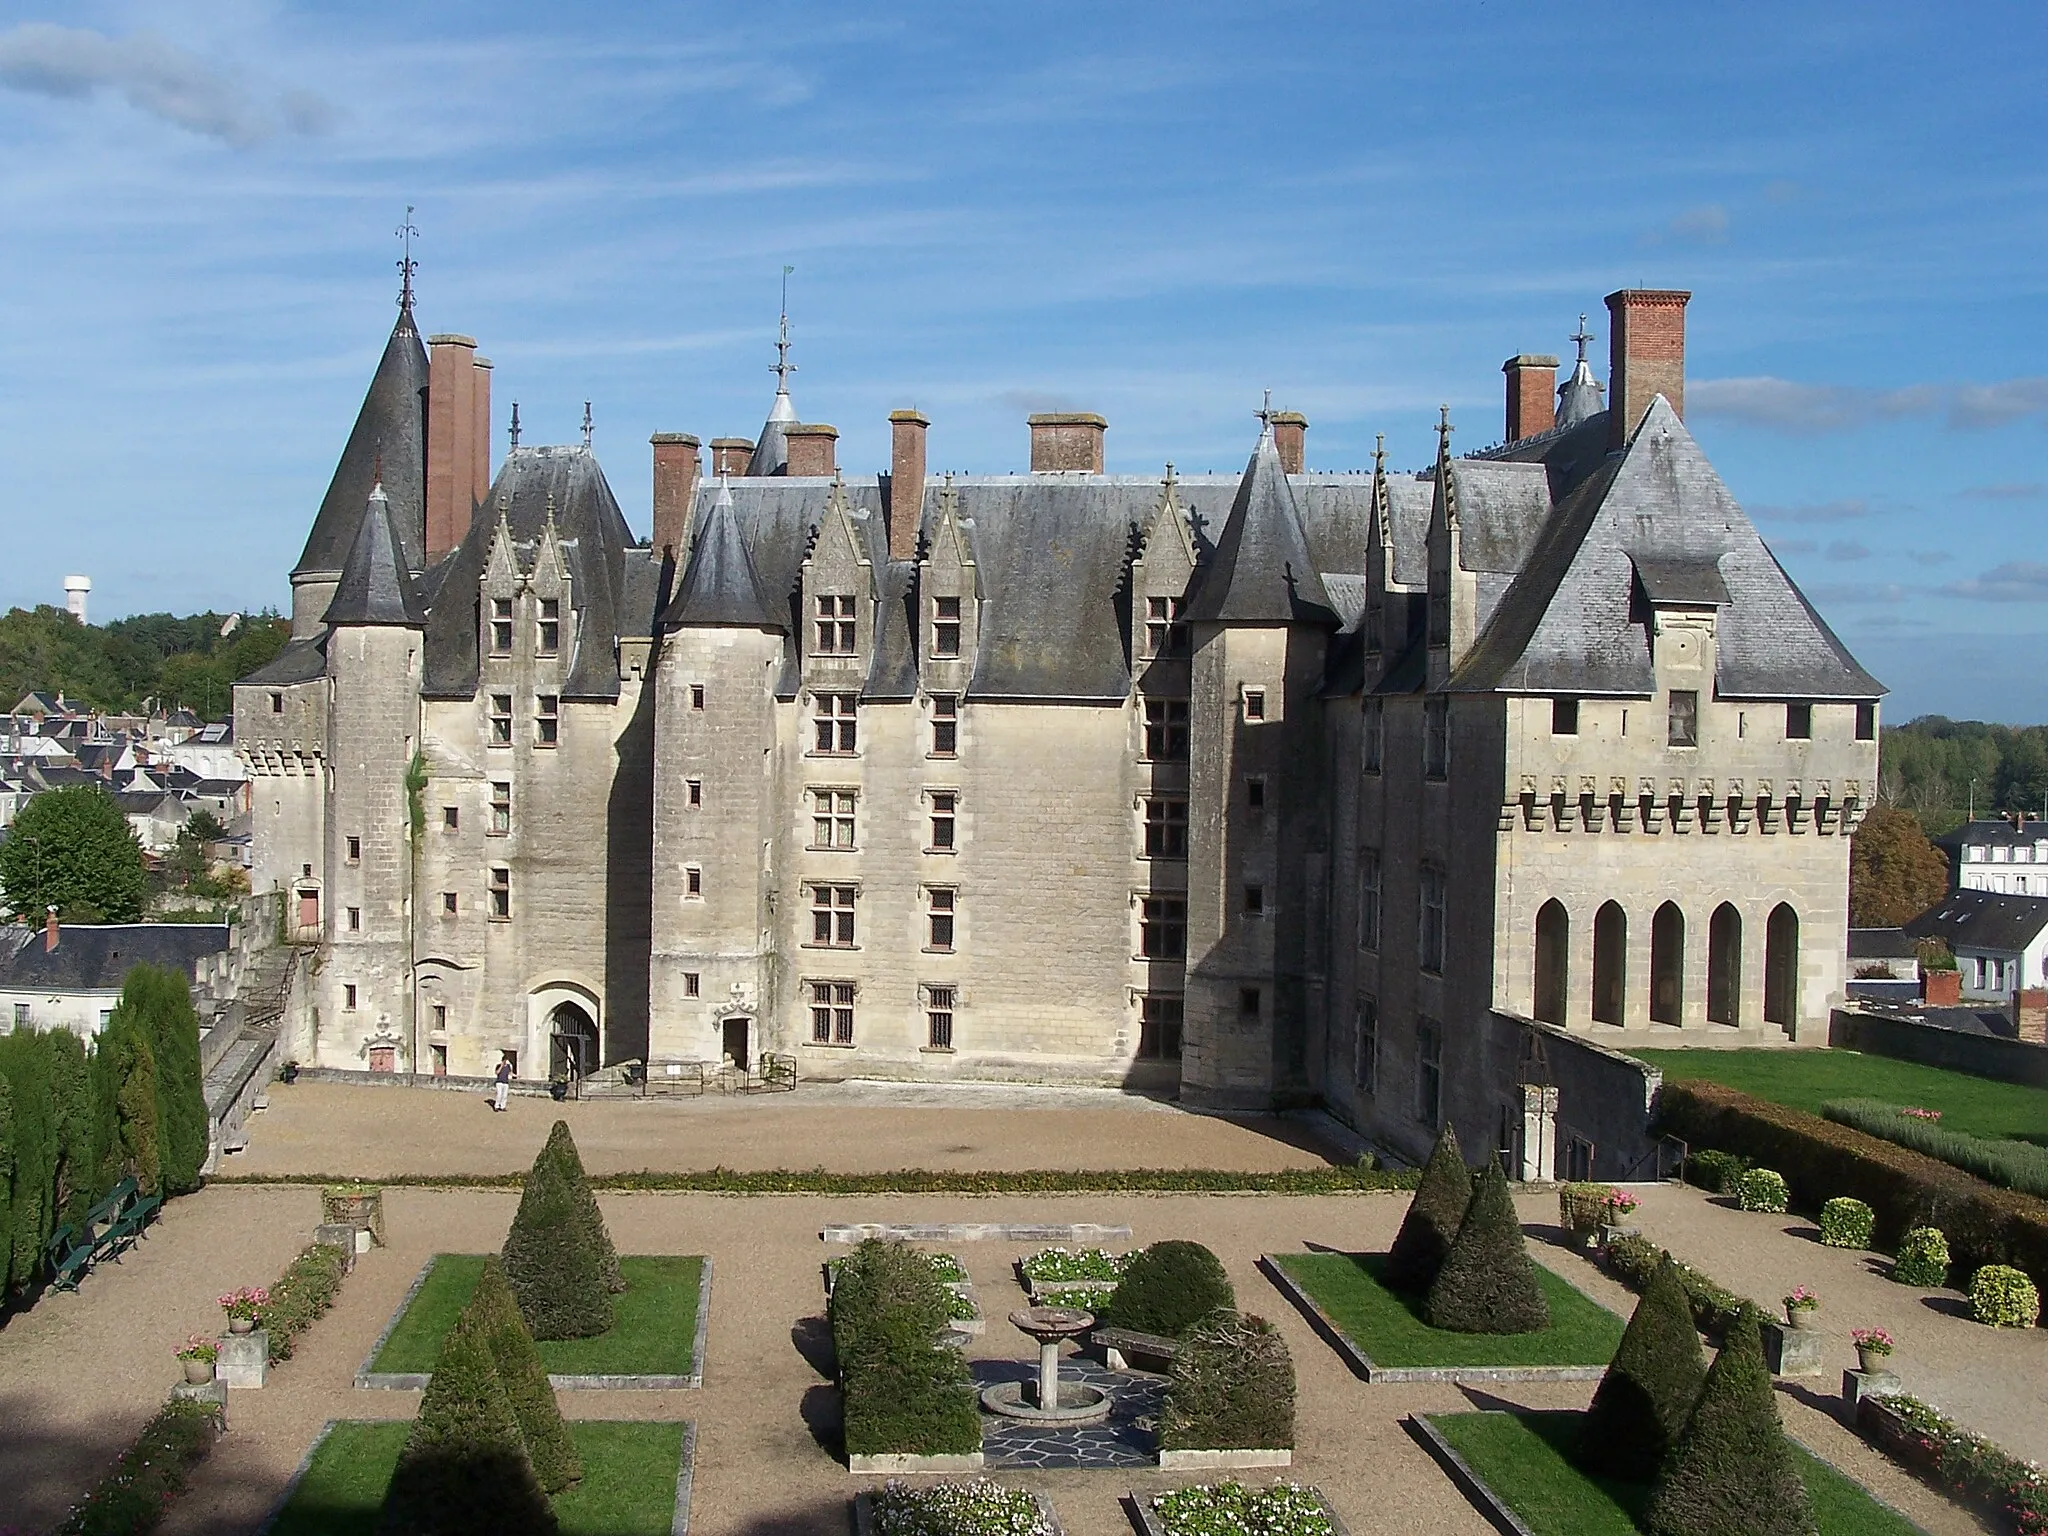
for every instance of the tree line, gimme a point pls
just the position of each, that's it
(1939, 769)
(176, 662)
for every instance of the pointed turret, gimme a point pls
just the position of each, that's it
(1263, 573)
(1579, 396)
(721, 589)
(376, 588)
(771, 449)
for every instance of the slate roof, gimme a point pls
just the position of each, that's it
(1983, 920)
(1881, 944)
(1262, 572)
(720, 589)
(299, 662)
(771, 449)
(376, 587)
(98, 957)
(1993, 832)
(391, 427)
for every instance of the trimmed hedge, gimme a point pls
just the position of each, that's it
(1168, 1288)
(135, 1496)
(1820, 1160)
(1431, 1224)
(1715, 1172)
(302, 1294)
(1732, 1469)
(1488, 1281)
(1642, 1402)
(1348, 1180)
(882, 1285)
(903, 1393)
(561, 1146)
(555, 1267)
(1763, 1189)
(1715, 1308)
(1232, 1388)
(2016, 1165)
(494, 1313)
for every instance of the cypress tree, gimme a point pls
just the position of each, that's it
(24, 1063)
(159, 1006)
(72, 1105)
(6, 1177)
(1488, 1281)
(136, 1148)
(494, 1313)
(553, 1268)
(562, 1147)
(464, 1468)
(1650, 1387)
(1732, 1472)
(1433, 1216)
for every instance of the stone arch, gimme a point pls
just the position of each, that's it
(1781, 967)
(1724, 965)
(573, 1044)
(1610, 964)
(544, 1002)
(1667, 965)
(1553, 961)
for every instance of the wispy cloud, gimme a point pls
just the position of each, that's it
(2017, 581)
(1784, 405)
(1847, 549)
(2011, 490)
(1930, 556)
(1704, 225)
(156, 77)
(1814, 512)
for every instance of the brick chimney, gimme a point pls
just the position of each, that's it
(451, 441)
(676, 467)
(2030, 1014)
(49, 929)
(906, 482)
(1646, 357)
(813, 449)
(1067, 440)
(1290, 432)
(1532, 394)
(480, 461)
(729, 455)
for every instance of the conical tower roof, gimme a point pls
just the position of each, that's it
(388, 445)
(771, 449)
(375, 586)
(1262, 573)
(721, 589)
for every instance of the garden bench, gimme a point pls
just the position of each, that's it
(117, 1221)
(1121, 1345)
(69, 1255)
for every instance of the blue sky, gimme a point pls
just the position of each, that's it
(1152, 212)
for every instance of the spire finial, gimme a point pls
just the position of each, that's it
(1265, 413)
(1582, 336)
(406, 265)
(1169, 472)
(515, 423)
(587, 427)
(1379, 453)
(783, 366)
(1444, 429)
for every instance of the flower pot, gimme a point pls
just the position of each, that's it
(1872, 1361)
(1803, 1317)
(558, 1091)
(198, 1372)
(241, 1325)
(290, 1072)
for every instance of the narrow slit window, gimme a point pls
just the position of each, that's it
(945, 724)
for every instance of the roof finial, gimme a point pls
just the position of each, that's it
(1444, 429)
(783, 366)
(377, 474)
(587, 428)
(406, 265)
(1379, 453)
(1582, 336)
(515, 423)
(1265, 414)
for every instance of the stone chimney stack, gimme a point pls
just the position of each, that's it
(49, 929)
(480, 460)
(813, 450)
(730, 455)
(1067, 441)
(1646, 338)
(2030, 1014)
(1532, 395)
(676, 467)
(451, 441)
(1290, 434)
(906, 482)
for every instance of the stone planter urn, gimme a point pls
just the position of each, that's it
(1803, 1317)
(198, 1372)
(1874, 1362)
(241, 1325)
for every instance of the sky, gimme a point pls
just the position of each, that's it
(1153, 212)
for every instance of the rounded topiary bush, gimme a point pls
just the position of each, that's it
(1643, 1401)
(1431, 1223)
(1168, 1288)
(883, 1291)
(1923, 1259)
(1733, 1469)
(1761, 1189)
(1488, 1281)
(1847, 1223)
(555, 1270)
(2004, 1297)
(1232, 1388)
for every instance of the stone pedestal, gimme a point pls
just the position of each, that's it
(1613, 1232)
(214, 1392)
(244, 1359)
(341, 1235)
(1794, 1351)
(1857, 1385)
(360, 1206)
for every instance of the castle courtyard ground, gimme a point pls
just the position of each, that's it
(80, 1373)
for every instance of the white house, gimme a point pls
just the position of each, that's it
(2000, 942)
(69, 977)
(2003, 854)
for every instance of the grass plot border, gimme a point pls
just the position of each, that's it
(369, 1379)
(1470, 1483)
(1363, 1366)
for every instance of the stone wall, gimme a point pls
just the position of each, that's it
(2009, 1061)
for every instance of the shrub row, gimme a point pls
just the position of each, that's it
(302, 1294)
(1821, 1159)
(1232, 1388)
(1715, 1308)
(1960, 1462)
(904, 1393)
(1168, 1288)
(135, 1496)
(918, 1181)
(2016, 1165)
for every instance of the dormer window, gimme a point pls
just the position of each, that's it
(1165, 634)
(835, 626)
(548, 639)
(945, 626)
(501, 626)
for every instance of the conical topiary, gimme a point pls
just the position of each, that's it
(562, 1147)
(494, 1313)
(1649, 1389)
(464, 1468)
(553, 1269)
(1488, 1281)
(1732, 1471)
(1433, 1217)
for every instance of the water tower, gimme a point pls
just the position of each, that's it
(75, 590)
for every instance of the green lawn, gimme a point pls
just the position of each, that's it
(628, 1487)
(653, 1332)
(1386, 1323)
(1807, 1079)
(1525, 1459)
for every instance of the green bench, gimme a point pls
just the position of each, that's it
(69, 1256)
(110, 1228)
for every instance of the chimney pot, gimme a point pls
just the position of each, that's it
(49, 929)
(906, 481)
(453, 430)
(1066, 441)
(1532, 394)
(730, 455)
(676, 467)
(1290, 431)
(813, 450)
(1646, 357)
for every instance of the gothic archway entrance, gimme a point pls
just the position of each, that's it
(572, 1042)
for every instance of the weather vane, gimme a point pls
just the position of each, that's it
(587, 425)
(1582, 336)
(783, 366)
(406, 265)
(1265, 411)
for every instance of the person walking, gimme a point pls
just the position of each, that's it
(504, 1088)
